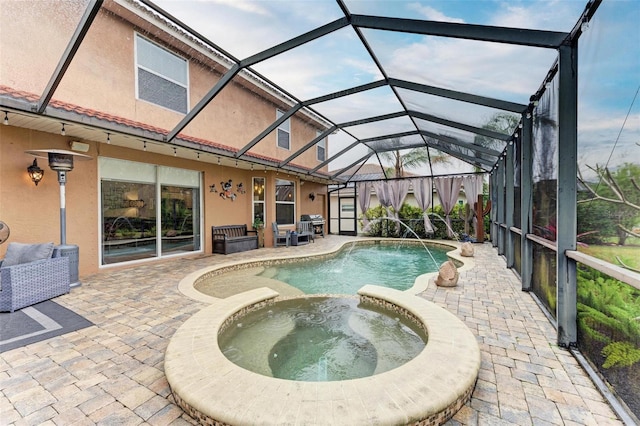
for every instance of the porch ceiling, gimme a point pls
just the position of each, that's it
(390, 81)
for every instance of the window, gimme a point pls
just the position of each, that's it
(148, 211)
(258, 199)
(161, 76)
(284, 132)
(321, 148)
(345, 208)
(285, 202)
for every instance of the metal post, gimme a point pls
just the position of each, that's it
(62, 179)
(508, 210)
(500, 206)
(493, 185)
(566, 194)
(526, 202)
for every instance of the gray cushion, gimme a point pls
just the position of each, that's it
(18, 253)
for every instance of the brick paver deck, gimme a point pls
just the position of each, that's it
(112, 373)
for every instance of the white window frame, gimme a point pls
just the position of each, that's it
(291, 203)
(148, 173)
(138, 66)
(321, 148)
(285, 127)
(255, 180)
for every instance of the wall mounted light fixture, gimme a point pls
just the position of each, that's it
(35, 172)
(6, 118)
(312, 196)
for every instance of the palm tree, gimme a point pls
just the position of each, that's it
(411, 159)
(501, 122)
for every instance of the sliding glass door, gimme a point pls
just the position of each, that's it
(148, 211)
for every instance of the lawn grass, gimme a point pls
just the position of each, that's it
(629, 254)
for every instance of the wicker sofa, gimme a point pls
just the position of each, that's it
(32, 281)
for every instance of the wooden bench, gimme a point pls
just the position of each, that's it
(233, 239)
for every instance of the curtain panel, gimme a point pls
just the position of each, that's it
(472, 188)
(448, 189)
(364, 200)
(422, 190)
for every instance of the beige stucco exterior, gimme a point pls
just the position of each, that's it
(101, 80)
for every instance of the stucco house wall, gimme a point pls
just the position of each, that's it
(101, 82)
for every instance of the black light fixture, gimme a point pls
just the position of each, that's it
(35, 172)
(6, 118)
(62, 131)
(312, 196)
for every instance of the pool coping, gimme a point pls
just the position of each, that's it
(427, 390)
(187, 285)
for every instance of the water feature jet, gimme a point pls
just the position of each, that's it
(408, 229)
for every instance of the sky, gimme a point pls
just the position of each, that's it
(609, 64)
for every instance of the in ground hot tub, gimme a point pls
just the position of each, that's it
(428, 388)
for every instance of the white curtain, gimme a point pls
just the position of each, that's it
(397, 190)
(364, 200)
(472, 188)
(422, 191)
(383, 194)
(448, 189)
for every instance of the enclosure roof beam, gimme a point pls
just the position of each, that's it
(456, 125)
(72, 47)
(309, 145)
(341, 171)
(224, 80)
(345, 92)
(517, 36)
(373, 119)
(461, 156)
(390, 136)
(454, 141)
(284, 117)
(342, 152)
(459, 96)
(295, 42)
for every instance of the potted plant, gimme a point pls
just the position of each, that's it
(258, 225)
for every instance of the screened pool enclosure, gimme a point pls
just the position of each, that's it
(537, 100)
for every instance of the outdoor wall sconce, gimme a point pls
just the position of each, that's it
(35, 172)
(312, 196)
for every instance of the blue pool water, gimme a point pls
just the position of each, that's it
(394, 266)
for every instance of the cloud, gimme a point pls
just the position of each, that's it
(432, 14)
(495, 70)
(245, 6)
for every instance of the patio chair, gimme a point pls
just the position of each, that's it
(280, 238)
(305, 229)
(32, 273)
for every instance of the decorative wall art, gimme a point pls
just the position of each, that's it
(226, 190)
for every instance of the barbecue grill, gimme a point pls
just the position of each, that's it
(317, 221)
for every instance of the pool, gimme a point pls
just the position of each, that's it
(399, 264)
(389, 265)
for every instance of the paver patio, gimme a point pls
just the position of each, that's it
(112, 373)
